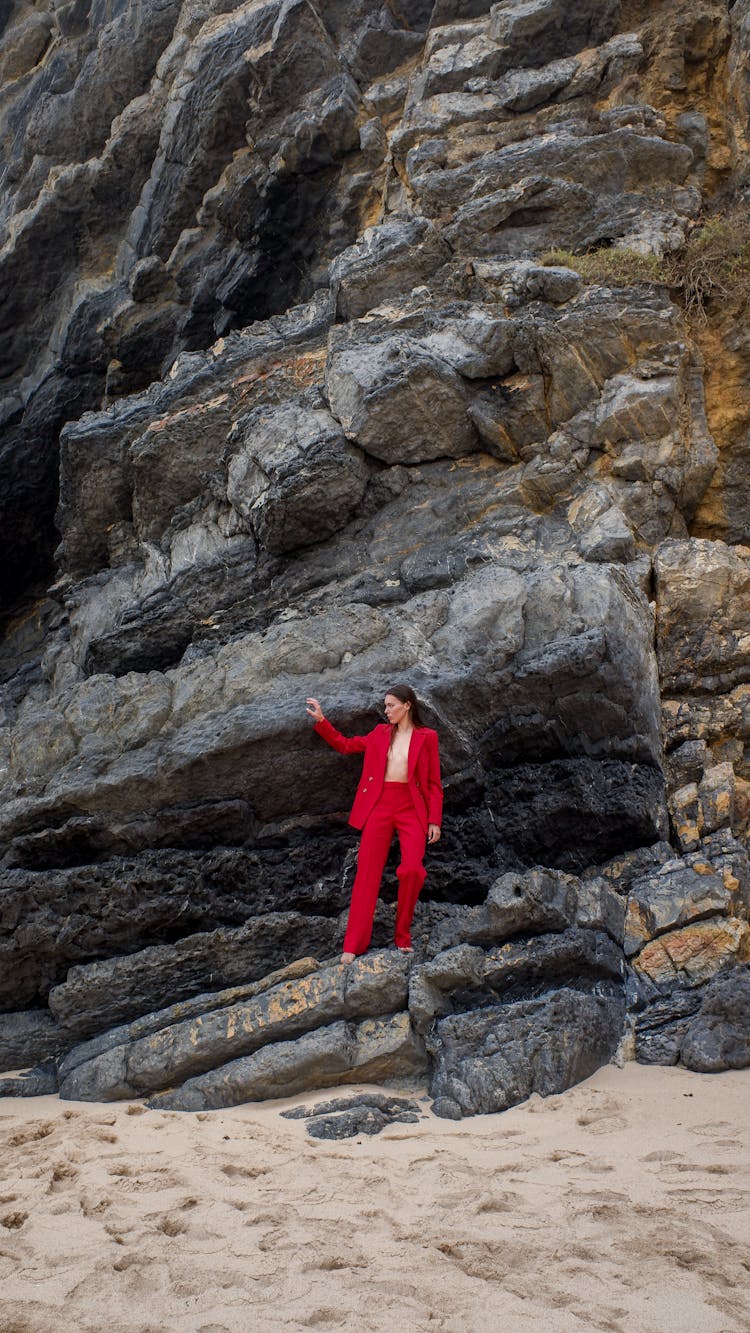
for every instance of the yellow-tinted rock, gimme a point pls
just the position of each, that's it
(694, 954)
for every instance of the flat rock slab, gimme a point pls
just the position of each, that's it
(491, 1058)
(344, 1117)
(379, 1050)
(101, 995)
(374, 984)
(206, 1003)
(37, 1082)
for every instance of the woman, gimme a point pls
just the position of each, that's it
(400, 791)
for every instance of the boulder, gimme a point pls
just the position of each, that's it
(488, 1059)
(365, 1113)
(38, 1082)
(378, 1050)
(466, 976)
(705, 1028)
(388, 260)
(207, 1002)
(538, 900)
(398, 402)
(98, 996)
(292, 476)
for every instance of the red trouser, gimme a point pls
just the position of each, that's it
(393, 812)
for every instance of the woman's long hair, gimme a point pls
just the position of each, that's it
(406, 695)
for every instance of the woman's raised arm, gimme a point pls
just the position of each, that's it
(332, 737)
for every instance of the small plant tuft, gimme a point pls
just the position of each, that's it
(610, 266)
(713, 263)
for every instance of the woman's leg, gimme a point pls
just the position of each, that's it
(374, 846)
(411, 873)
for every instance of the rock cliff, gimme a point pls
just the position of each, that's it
(344, 344)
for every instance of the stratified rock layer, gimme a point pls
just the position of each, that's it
(294, 402)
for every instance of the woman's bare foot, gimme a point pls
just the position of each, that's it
(348, 957)
(404, 948)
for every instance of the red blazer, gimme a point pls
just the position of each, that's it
(424, 769)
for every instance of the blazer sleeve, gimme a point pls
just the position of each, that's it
(434, 785)
(334, 738)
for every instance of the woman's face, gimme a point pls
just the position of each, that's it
(395, 710)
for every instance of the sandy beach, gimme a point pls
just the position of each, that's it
(623, 1204)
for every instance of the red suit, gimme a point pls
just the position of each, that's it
(381, 809)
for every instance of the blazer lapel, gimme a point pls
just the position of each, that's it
(384, 740)
(415, 745)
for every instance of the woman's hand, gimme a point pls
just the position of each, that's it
(315, 710)
(433, 833)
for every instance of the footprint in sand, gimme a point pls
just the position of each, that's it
(334, 1263)
(718, 1201)
(323, 1315)
(31, 1135)
(711, 1128)
(244, 1172)
(696, 1169)
(63, 1173)
(601, 1121)
(132, 1260)
(507, 1201)
(172, 1226)
(602, 1196)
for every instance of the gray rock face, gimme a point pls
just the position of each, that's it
(388, 260)
(28, 1038)
(280, 339)
(97, 911)
(719, 1037)
(293, 479)
(307, 1024)
(706, 1029)
(491, 1059)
